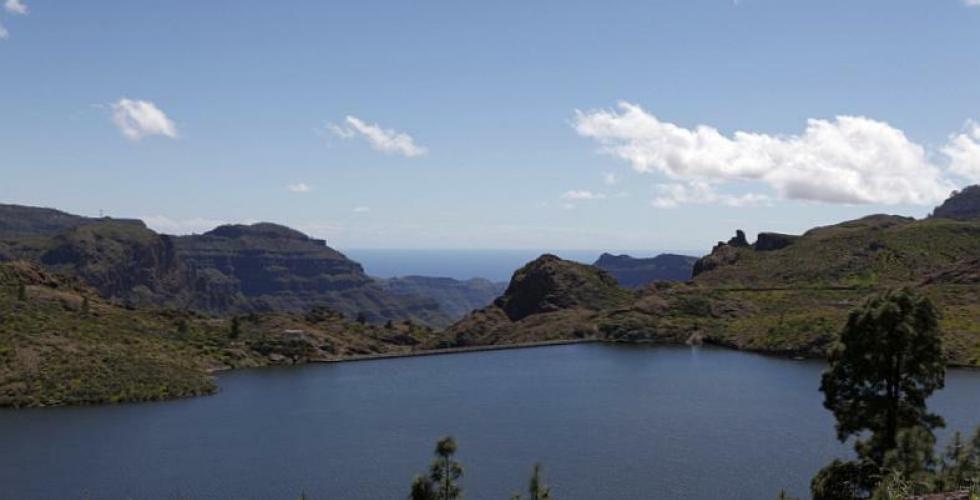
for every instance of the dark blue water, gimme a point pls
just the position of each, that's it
(608, 422)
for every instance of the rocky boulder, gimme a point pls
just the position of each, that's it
(767, 242)
(550, 283)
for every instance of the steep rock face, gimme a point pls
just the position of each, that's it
(550, 283)
(767, 242)
(455, 297)
(721, 255)
(961, 205)
(276, 268)
(232, 269)
(266, 259)
(123, 260)
(633, 272)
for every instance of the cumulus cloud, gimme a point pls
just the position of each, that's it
(964, 151)
(15, 7)
(850, 159)
(581, 196)
(299, 188)
(167, 225)
(138, 119)
(701, 193)
(381, 139)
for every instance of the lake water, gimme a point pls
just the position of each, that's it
(608, 422)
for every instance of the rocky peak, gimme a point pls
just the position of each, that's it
(550, 283)
(739, 239)
(961, 205)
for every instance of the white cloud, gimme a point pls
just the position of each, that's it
(166, 225)
(299, 188)
(972, 3)
(362, 210)
(381, 139)
(582, 196)
(964, 151)
(848, 160)
(138, 119)
(702, 193)
(610, 178)
(4, 34)
(16, 7)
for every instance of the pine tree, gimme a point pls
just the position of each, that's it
(446, 472)
(537, 490)
(888, 361)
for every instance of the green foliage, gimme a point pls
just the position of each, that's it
(422, 489)
(442, 482)
(960, 466)
(537, 490)
(844, 481)
(911, 460)
(22, 292)
(888, 361)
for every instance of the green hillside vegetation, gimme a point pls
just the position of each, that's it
(784, 294)
(60, 343)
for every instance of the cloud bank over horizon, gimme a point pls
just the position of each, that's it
(847, 160)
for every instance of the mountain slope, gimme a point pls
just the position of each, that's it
(60, 343)
(231, 269)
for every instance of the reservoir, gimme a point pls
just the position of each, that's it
(606, 422)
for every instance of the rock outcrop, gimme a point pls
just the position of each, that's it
(767, 242)
(550, 283)
(961, 205)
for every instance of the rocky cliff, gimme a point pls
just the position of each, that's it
(229, 270)
(961, 205)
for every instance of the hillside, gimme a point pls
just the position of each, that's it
(60, 343)
(632, 272)
(781, 294)
(231, 269)
(878, 250)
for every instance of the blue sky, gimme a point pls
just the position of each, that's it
(544, 125)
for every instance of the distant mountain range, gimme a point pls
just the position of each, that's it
(633, 272)
(232, 269)
(106, 310)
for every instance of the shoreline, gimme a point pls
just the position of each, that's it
(453, 350)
